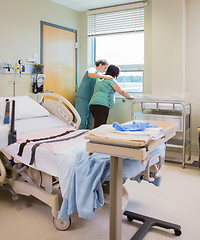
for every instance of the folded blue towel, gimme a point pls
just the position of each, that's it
(134, 126)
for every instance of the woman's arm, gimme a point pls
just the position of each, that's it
(98, 75)
(118, 89)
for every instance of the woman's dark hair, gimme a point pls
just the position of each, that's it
(102, 62)
(113, 70)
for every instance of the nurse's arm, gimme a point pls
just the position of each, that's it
(118, 89)
(97, 75)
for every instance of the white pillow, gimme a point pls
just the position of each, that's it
(26, 107)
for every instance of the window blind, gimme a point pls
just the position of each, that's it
(130, 20)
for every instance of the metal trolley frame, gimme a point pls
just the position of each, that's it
(167, 110)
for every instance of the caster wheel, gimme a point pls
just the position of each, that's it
(183, 165)
(15, 197)
(177, 232)
(61, 224)
(130, 219)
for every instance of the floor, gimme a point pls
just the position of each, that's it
(176, 200)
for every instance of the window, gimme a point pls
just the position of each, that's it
(126, 51)
(118, 37)
(131, 81)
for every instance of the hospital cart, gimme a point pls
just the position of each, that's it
(179, 111)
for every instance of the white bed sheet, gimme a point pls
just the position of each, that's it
(60, 164)
(33, 124)
(45, 160)
(28, 125)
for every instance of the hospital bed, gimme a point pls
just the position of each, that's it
(35, 172)
(16, 174)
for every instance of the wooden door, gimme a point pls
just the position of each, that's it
(58, 54)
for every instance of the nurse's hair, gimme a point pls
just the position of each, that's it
(102, 62)
(113, 70)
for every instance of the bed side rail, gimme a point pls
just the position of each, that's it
(60, 107)
(2, 172)
(156, 169)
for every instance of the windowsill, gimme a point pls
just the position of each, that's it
(134, 94)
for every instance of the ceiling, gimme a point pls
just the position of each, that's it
(84, 5)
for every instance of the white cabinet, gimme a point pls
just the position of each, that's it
(179, 147)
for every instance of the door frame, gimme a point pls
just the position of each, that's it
(42, 23)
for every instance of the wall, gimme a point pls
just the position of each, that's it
(168, 47)
(172, 51)
(20, 35)
(83, 48)
(192, 64)
(148, 48)
(175, 53)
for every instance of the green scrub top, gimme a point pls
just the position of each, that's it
(86, 87)
(104, 94)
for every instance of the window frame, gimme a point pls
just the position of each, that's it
(134, 11)
(132, 68)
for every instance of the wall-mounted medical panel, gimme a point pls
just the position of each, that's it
(13, 68)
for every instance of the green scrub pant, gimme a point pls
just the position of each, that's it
(82, 107)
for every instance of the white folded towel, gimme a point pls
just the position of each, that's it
(109, 131)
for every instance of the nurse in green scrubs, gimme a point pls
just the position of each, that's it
(86, 89)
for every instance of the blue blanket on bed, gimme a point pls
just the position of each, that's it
(90, 172)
